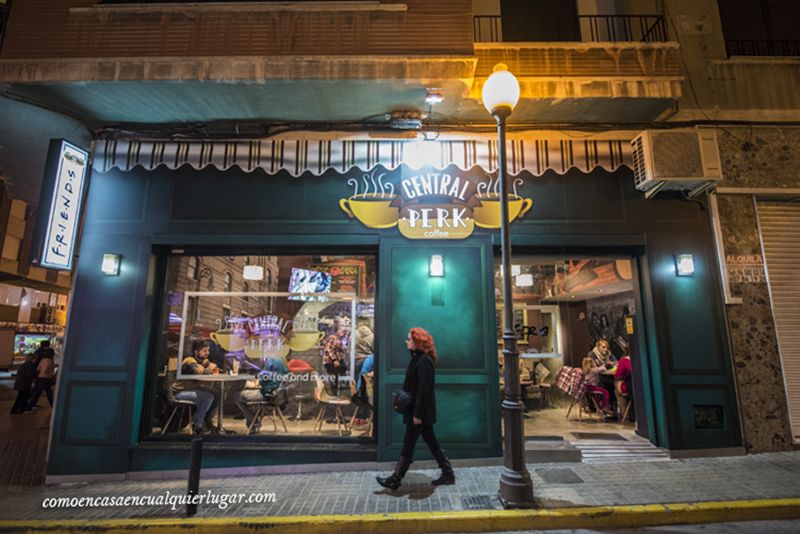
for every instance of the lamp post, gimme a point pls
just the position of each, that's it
(500, 95)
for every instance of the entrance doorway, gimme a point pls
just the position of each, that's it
(579, 353)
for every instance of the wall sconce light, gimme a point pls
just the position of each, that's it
(110, 265)
(436, 266)
(684, 265)
(253, 272)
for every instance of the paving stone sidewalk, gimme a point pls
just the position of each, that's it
(775, 475)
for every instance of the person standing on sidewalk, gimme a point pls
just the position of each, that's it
(421, 415)
(45, 372)
(23, 384)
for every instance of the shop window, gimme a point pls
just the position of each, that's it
(562, 309)
(228, 282)
(192, 270)
(192, 312)
(291, 353)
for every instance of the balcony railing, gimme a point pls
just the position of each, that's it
(763, 47)
(593, 28)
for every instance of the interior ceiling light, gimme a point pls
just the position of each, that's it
(433, 96)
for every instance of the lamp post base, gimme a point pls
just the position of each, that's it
(516, 489)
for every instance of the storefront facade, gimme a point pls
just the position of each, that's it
(151, 203)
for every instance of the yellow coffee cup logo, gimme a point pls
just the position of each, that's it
(302, 341)
(487, 215)
(374, 210)
(229, 340)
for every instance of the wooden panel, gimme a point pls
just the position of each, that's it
(458, 310)
(105, 325)
(51, 30)
(93, 413)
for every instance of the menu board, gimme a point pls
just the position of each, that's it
(345, 277)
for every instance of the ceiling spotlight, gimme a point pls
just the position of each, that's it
(433, 96)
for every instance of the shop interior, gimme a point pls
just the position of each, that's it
(280, 346)
(283, 346)
(563, 309)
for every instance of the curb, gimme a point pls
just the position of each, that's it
(466, 521)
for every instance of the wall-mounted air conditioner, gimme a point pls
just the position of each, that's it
(675, 160)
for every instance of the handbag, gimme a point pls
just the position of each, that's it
(403, 402)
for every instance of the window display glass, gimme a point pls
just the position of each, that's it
(569, 312)
(266, 346)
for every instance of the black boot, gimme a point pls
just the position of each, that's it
(448, 477)
(393, 481)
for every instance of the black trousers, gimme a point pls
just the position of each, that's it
(413, 433)
(21, 404)
(42, 385)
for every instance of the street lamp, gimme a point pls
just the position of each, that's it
(500, 95)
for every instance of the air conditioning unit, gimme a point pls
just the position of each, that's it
(675, 160)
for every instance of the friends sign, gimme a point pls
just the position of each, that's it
(431, 204)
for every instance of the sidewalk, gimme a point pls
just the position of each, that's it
(556, 486)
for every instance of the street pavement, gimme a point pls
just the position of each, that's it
(753, 477)
(791, 526)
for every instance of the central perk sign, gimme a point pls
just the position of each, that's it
(431, 204)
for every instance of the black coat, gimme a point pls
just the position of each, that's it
(25, 375)
(420, 378)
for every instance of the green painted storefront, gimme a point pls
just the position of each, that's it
(104, 387)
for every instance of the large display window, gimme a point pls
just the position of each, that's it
(574, 321)
(265, 346)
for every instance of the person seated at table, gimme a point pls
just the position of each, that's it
(360, 397)
(601, 355)
(203, 401)
(267, 388)
(622, 379)
(591, 373)
(197, 363)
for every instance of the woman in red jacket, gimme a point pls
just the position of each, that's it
(421, 416)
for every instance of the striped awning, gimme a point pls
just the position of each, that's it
(317, 156)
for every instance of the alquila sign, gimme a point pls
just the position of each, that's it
(431, 204)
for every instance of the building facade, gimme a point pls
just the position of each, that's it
(296, 137)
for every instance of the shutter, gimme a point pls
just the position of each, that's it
(780, 228)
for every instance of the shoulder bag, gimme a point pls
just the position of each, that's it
(403, 401)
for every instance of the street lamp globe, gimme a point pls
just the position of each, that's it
(501, 90)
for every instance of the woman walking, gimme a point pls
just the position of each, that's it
(421, 413)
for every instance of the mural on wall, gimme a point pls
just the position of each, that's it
(606, 317)
(431, 204)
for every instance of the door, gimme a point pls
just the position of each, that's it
(458, 310)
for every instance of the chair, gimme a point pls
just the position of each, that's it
(583, 404)
(626, 396)
(367, 380)
(324, 399)
(177, 404)
(269, 407)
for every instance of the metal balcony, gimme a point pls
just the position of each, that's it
(593, 28)
(763, 47)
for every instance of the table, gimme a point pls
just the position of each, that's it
(221, 378)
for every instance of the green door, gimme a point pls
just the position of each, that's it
(458, 310)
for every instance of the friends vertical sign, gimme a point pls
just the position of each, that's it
(60, 203)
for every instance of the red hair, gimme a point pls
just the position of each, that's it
(423, 341)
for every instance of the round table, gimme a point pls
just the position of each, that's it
(221, 379)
